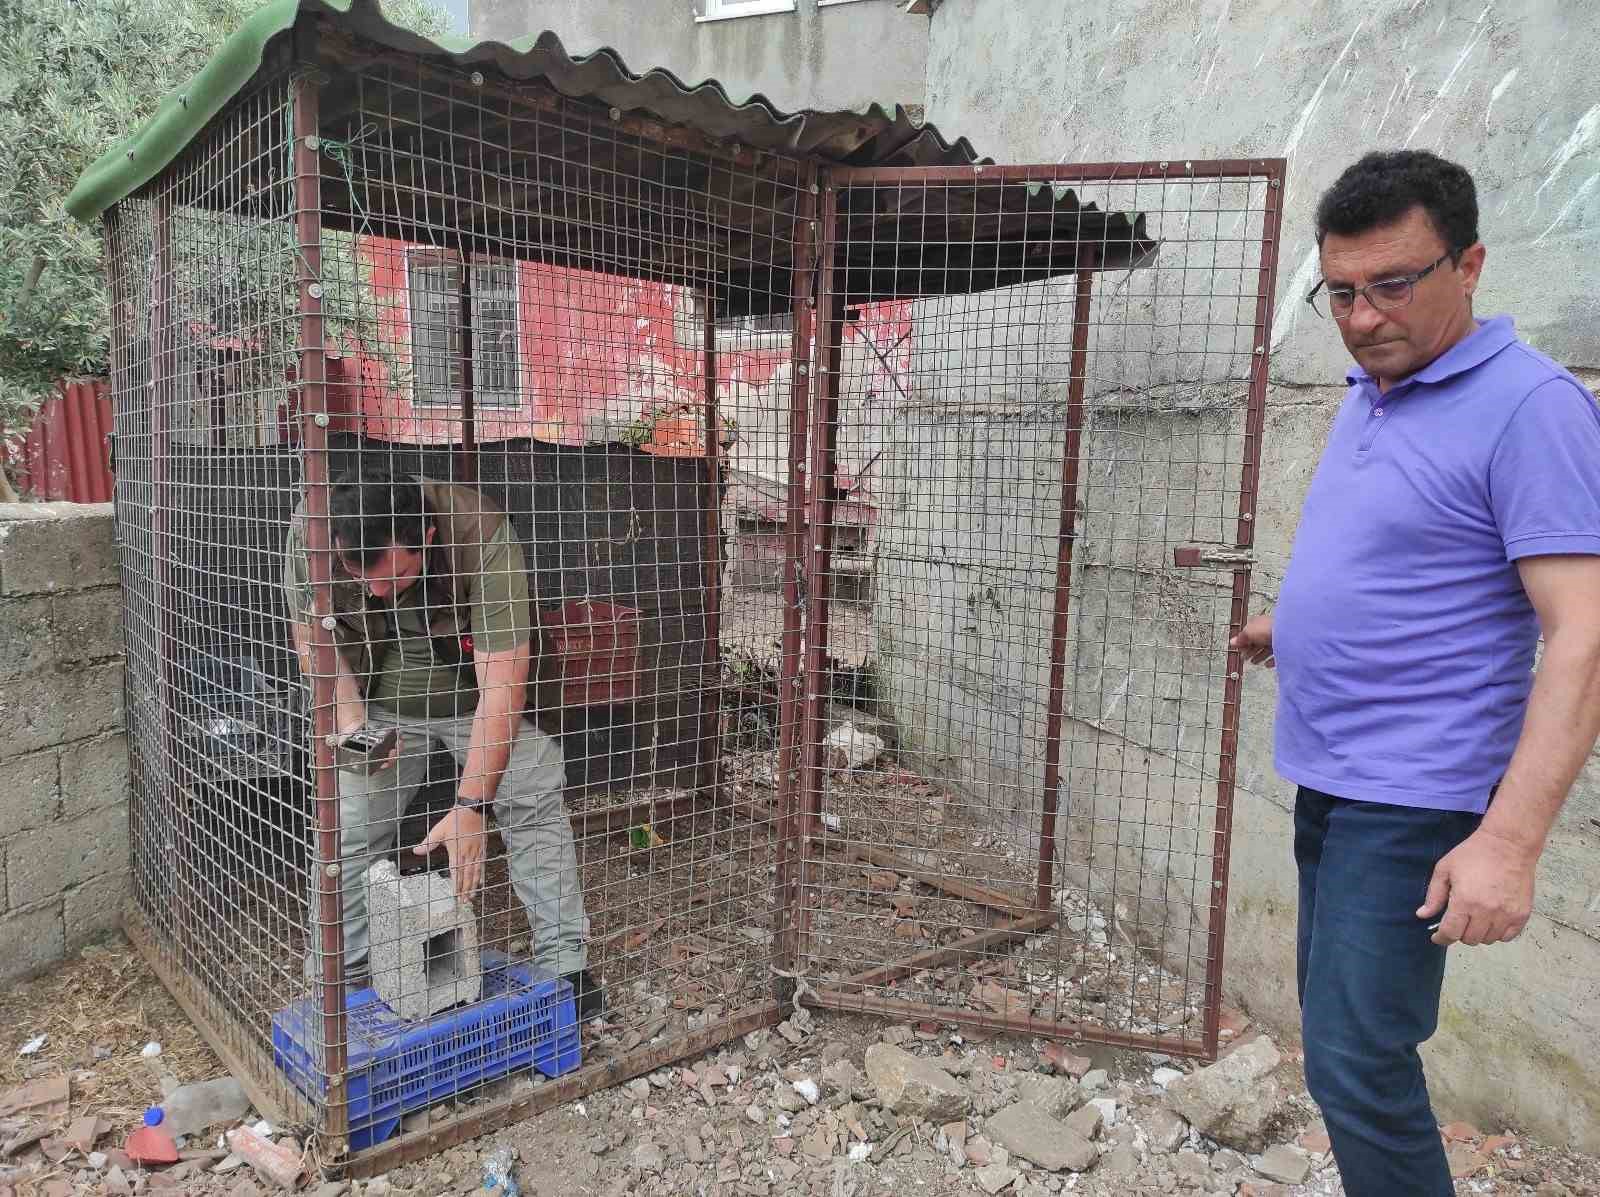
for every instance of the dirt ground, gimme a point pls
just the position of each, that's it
(737, 1121)
(682, 936)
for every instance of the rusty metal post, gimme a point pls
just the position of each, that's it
(314, 410)
(819, 537)
(1066, 536)
(1244, 538)
(709, 771)
(790, 682)
(467, 456)
(1177, 169)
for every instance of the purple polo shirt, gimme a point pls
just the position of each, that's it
(1404, 639)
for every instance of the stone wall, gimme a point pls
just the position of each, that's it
(63, 753)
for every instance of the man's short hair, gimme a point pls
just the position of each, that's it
(371, 507)
(1381, 188)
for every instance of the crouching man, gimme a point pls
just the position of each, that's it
(435, 640)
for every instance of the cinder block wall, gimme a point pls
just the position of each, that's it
(63, 753)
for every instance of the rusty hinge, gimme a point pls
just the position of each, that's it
(1193, 557)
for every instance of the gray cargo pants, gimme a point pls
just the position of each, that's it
(528, 809)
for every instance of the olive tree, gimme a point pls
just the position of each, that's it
(76, 77)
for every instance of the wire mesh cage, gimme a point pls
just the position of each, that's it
(1038, 812)
(592, 588)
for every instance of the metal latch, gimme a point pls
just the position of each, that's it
(1193, 557)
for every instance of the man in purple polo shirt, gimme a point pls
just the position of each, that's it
(1454, 517)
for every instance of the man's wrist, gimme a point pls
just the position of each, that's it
(475, 805)
(1520, 843)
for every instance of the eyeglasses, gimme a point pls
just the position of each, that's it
(1384, 295)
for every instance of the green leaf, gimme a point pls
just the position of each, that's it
(76, 77)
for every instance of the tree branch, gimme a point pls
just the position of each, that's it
(28, 284)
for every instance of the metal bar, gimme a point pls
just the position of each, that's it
(710, 752)
(611, 819)
(1099, 172)
(1066, 537)
(247, 1069)
(638, 1062)
(1195, 557)
(72, 417)
(161, 398)
(319, 554)
(824, 437)
(1233, 684)
(968, 945)
(467, 455)
(105, 425)
(982, 895)
(1024, 1024)
(790, 683)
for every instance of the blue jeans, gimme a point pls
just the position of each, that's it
(1369, 979)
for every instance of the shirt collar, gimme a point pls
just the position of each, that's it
(1488, 339)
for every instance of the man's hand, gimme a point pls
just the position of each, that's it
(1484, 887)
(349, 716)
(462, 834)
(1255, 641)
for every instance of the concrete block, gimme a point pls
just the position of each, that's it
(42, 710)
(33, 713)
(31, 796)
(95, 700)
(28, 644)
(55, 546)
(30, 941)
(424, 943)
(40, 864)
(94, 908)
(94, 773)
(88, 624)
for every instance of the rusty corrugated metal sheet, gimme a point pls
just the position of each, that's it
(66, 455)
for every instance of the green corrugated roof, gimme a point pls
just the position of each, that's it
(873, 136)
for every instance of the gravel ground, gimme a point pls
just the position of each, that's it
(787, 1110)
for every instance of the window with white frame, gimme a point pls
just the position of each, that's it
(719, 10)
(435, 292)
(494, 334)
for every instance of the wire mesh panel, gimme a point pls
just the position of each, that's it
(1023, 820)
(204, 337)
(454, 428)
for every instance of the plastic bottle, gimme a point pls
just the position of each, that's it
(189, 1109)
(499, 1172)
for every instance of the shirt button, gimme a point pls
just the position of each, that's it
(1376, 412)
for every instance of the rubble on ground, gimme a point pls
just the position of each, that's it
(834, 1107)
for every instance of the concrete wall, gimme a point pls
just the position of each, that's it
(63, 754)
(1502, 88)
(833, 56)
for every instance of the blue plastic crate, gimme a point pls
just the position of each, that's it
(526, 1017)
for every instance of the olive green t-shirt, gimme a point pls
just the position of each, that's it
(409, 681)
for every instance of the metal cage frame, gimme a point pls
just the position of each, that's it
(822, 280)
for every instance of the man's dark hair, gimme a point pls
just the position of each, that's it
(371, 507)
(1382, 187)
